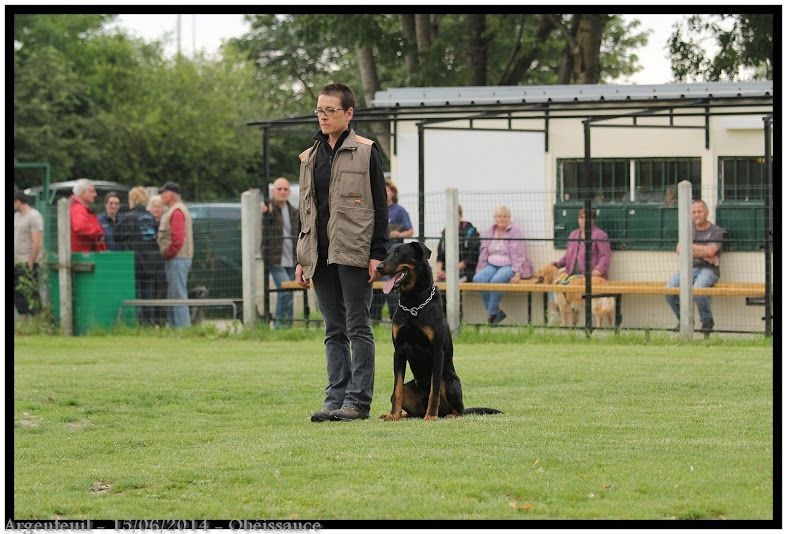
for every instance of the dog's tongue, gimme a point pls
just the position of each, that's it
(389, 284)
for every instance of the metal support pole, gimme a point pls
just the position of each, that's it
(64, 265)
(768, 121)
(586, 181)
(266, 172)
(421, 180)
(685, 260)
(452, 258)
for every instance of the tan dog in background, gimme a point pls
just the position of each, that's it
(569, 304)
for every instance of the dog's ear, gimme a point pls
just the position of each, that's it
(421, 250)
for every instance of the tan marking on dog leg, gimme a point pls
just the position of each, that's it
(428, 332)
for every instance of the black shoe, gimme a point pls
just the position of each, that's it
(707, 328)
(322, 416)
(348, 413)
(498, 317)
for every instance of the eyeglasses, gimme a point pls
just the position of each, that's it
(329, 112)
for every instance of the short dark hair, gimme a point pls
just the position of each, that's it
(110, 195)
(22, 197)
(344, 93)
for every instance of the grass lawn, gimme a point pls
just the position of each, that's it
(215, 426)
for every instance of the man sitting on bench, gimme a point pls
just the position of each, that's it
(706, 252)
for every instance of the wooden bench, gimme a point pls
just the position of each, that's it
(752, 291)
(179, 302)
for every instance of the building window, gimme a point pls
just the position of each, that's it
(643, 180)
(742, 179)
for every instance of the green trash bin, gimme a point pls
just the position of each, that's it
(101, 281)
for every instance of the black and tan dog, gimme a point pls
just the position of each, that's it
(421, 337)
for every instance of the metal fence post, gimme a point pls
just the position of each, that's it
(685, 260)
(250, 239)
(452, 258)
(64, 265)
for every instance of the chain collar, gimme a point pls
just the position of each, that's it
(414, 311)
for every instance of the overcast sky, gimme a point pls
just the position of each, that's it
(206, 32)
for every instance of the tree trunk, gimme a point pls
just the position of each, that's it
(411, 56)
(587, 65)
(477, 48)
(519, 62)
(423, 34)
(371, 84)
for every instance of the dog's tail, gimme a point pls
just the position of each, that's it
(480, 411)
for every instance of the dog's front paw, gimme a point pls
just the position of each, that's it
(391, 416)
(430, 417)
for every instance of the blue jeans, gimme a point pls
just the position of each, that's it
(344, 295)
(177, 272)
(496, 275)
(702, 277)
(283, 298)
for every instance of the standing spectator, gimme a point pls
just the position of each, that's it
(157, 208)
(28, 249)
(469, 245)
(502, 259)
(399, 227)
(136, 231)
(109, 219)
(281, 225)
(176, 244)
(706, 253)
(86, 232)
(341, 243)
(573, 261)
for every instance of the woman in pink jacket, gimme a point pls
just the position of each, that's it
(502, 259)
(573, 261)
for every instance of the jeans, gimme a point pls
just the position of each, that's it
(495, 275)
(702, 277)
(177, 271)
(344, 295)
(283, 298)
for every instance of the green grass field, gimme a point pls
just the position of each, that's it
(146, 425)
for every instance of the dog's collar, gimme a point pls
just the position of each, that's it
(414, 310)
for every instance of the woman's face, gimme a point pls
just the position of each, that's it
(157, 210)
(502, 219)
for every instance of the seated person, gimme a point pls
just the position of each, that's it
(706, 252)
(502, 259)
(469, 245)
(573, 261)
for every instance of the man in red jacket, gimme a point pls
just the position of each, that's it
(86, 232)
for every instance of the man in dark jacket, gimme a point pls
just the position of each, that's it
(136, 230)
(469, 245)
(280, 227)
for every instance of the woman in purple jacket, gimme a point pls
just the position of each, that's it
(573, 261)
(502, 259)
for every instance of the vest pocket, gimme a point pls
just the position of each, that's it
(304, 248)
(353, 230)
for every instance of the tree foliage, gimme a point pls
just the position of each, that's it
(744, 43)
(95, 102)
(98, 104)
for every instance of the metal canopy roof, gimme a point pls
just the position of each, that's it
(457, 96)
